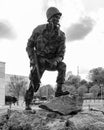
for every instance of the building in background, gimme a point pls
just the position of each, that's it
(2, 83)
(4, 80)
(7, 81)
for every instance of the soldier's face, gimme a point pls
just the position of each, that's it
(55, 19)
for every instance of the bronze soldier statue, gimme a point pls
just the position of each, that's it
(46, 48)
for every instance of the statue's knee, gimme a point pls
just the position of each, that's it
(62, 66)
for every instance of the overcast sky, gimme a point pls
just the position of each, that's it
(82, 21)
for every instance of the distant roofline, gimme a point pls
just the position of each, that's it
(2, 62)
(17, 75)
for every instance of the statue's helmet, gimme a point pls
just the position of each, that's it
(52, 11)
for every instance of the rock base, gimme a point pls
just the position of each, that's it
(63, 105)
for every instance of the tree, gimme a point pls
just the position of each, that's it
(17, 86)
(90, 84)
(83, 82)
(95, 90)
(73, 80)
(46, 91)
(96, 75)
(82, 90)
(23, 89)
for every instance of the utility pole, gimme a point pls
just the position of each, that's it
(77, 70)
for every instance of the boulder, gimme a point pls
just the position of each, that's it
(63, 105)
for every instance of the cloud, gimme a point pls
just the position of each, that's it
(44, 5)
(6, 30)
(80, 30)
(47, 3)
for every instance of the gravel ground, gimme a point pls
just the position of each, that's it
(17, 118)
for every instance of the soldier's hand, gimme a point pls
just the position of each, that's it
(54, 63)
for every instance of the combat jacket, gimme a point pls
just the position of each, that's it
(46, 44)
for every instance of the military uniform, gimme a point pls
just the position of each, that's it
(49, 46)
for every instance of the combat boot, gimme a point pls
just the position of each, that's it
(28, 100)
(59, 91)
(27, 106)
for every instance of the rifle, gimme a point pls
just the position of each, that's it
(35, 67)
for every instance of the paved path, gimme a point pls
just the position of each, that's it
(3, 109)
